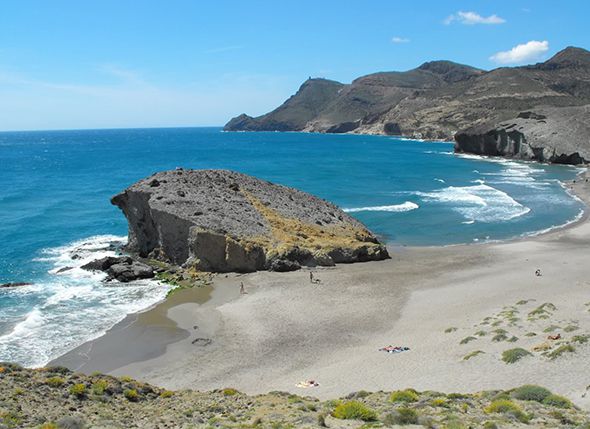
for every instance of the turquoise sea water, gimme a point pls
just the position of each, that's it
(55, 211)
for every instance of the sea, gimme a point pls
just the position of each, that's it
(56, 215)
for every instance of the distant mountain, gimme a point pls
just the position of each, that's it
(442, 99)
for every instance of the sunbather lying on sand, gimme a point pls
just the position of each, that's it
(307, 384)
(394, 349)
(554, 337)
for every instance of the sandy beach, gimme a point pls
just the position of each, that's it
(286, 329)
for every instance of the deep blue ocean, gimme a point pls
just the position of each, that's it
(55, 212)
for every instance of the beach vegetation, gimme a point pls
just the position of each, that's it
(557, 401)
(401, 416)
(49, 426)
(407, 395)
(506, 406)
(542, 311)
(467, 339)
(131, 395)
(512, 339)
(580, 339)
(565, 348)
(530, 334)
(514, 355)
(449, 330)
(481, 333)
(551, 328)
(99, 387)
(55, 381)
(167, 394)
(440, 402)
(490, 425)
(322, 420)
(230, 391)
(523, 302)
(18, 391)
(571, 328)
(473, 354)
(531, 392)
(78, 390)
(354, 410)
(125, 379)
(499, 337)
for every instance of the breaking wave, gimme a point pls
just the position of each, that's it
(481, 203)
(71, 305)
(404, 207)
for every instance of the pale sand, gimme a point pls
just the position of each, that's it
(286, 330)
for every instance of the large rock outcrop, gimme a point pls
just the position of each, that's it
(436, 101)
(218, 220)
(557, 135)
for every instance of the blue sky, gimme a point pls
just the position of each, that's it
(101, 64)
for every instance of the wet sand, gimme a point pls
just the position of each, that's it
(286, 329)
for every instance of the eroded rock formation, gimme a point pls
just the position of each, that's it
(218, 220)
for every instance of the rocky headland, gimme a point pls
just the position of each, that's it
(223, 221)
(485, 112)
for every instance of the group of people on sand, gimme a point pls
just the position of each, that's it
(312, 279)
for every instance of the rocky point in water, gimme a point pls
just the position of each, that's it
(222, 221)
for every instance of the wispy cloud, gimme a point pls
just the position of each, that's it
(222, 49)
(525, 52)
(473, 18)
(397, 39)
(121, 73)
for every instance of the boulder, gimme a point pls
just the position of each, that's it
(127, 272)
(222, 221)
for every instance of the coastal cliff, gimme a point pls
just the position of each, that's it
(221, 221)
(444, 100)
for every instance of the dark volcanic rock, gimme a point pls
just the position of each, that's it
(217, 220)
(123, 269)
(15, 284)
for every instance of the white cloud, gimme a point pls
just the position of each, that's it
(472, 18)
(529, 51)
(400, 40)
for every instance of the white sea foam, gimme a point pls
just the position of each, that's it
(481, 203)
(404, 207)
(439, 180)
(74, 305)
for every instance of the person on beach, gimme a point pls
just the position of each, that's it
(538, 273)
(311, 277)
(242, 289)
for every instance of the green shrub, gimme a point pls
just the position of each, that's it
(481, 333)
(131, 395)
(408, 395)
(99, 387)
(530, 334)
(402, 416)
(439, 402)
(229, 391)
(490, 425)
(78, 390)
(580, 339)
(499, 337)
(449, 330)
(55, 381)
(167, 394)
(530, 392)
(506, 406)
(551, 328)
(571, 328)
(566, 348)
(125, 379)
(557, 401)
(354, 410)
(467, 340)
(473, 354)
(514, 355)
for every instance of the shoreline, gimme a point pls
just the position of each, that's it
(270, 339)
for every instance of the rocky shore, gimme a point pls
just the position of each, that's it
(223, 221)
